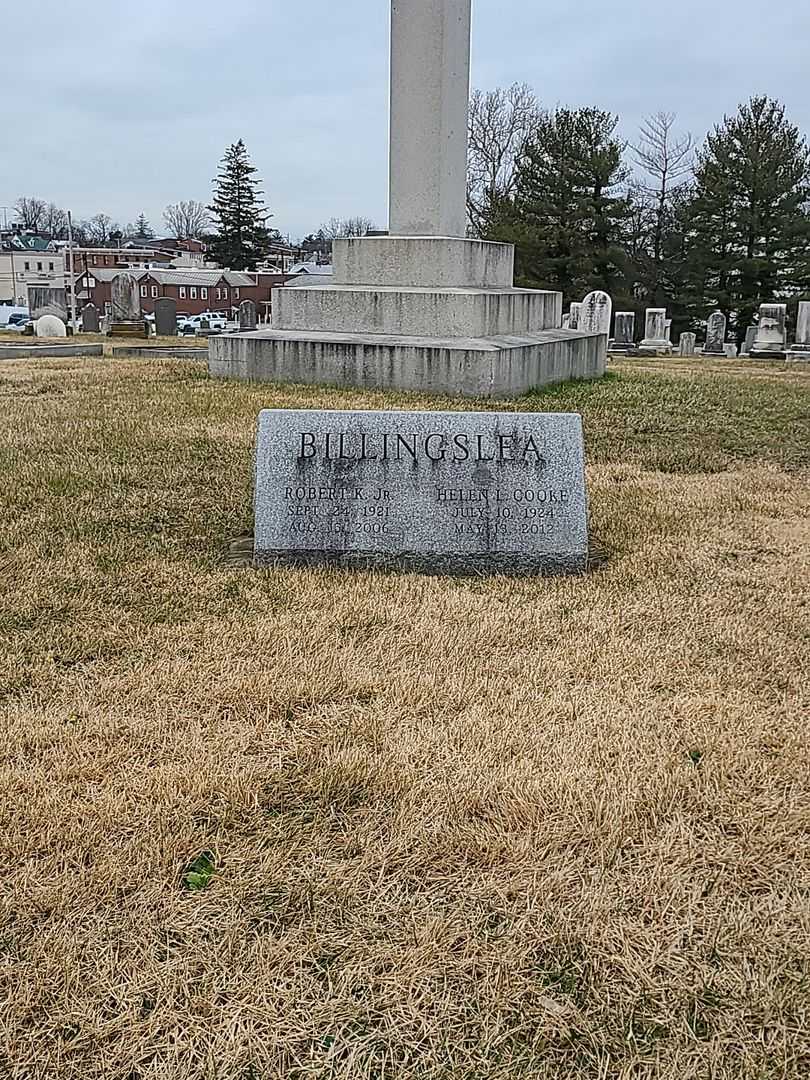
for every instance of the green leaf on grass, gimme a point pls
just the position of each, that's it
(199, 871)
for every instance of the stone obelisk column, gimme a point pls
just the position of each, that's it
(430, 89)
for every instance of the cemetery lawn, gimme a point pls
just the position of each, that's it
(311, 823)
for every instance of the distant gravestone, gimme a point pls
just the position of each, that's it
(247, 315)
(595, 313)
(90, 323)
(573, 316)
(566, 323)
(668, 330)
(50, 326)
(166, 317)
(687, 344)
(730, 350)
(655, 340)
(750, 335)
(800, 350)
(771, 336)
(442, 492)
(125, 299)
(624, 331)
(715, 335)
(43, 300)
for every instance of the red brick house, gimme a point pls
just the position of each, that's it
(194, 291)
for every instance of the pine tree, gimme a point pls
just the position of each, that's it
(143, 227)
(568, 211)
(748, 220)
(239, 212)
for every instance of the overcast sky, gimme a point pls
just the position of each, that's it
(127, 107)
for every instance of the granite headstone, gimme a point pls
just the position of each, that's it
(750, 336)
(771, 336)
(688, 342)
(715, 335)
(655, 333)
(125, 299)
(624, 331)
(595, 313)
(247, 315)
(90, 321)
(166, 317)
(800, 350)
(441, 492)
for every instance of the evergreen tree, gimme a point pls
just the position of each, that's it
(569, 209)
(144, 229)
(748, 222)
(242, 237)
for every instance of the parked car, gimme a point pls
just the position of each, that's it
(194, 323)
(17, 323)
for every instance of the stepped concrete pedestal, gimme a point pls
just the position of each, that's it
(424, 308)
(465, 332)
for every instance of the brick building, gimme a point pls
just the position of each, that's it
(194, 291)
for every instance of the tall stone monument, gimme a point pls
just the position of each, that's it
(655, 342)
(715, 335)
(771, 338)
(423, 308)
(126, 307)
(43, 300)
(624, 332)
(596, 313)
(800, 350)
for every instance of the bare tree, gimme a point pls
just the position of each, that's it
(668, 161)
(100, 229)
(354, 226)
(500, 121)
(31, 212)
(187, 220)
(55, 223)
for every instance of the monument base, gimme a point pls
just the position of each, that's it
(799, 353)
(497, 367)
(655, 348)
(128, 329)
(768, 354)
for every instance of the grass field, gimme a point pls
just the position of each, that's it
(318, 824)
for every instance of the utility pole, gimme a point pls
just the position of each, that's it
(71, 275)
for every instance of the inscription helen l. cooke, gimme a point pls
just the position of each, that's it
(441, 492)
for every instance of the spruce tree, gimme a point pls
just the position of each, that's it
(143, 227)
(748, 219)
(568, 211)
(242, 237)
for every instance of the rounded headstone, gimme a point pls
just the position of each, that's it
(595, 313)
(50, 326)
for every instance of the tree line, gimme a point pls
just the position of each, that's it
(183, 220)
(234, 226)
(660, 222)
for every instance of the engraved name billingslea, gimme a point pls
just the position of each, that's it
(435, 446)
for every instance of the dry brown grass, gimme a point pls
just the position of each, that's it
(461, 828)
